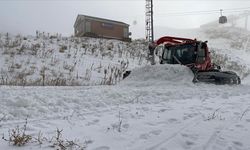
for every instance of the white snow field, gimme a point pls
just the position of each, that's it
(156, 113)
(155, 108)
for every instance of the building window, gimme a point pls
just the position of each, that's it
(107, 25)
(88, 26)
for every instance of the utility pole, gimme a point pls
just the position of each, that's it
(150, 30)
(149, 21)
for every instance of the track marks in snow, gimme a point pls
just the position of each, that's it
(146, 136)
(153, 117)
(102, 148)
(212, 139)
(177, 132)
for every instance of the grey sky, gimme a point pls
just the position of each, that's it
(27, 16)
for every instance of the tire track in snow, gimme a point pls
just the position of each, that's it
(216, 134)
(194, 122)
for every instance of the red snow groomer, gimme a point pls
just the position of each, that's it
(193, 54)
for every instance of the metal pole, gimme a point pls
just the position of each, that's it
(152, 24)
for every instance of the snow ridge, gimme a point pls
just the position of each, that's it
(160, 74)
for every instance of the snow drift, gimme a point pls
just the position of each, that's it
(160, 74)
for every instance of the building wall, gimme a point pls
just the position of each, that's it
(80, 28)
(101, 29)
(107, 29)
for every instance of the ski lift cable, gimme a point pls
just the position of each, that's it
(200, 13)
(197, 13)
(207, 11)
(237, 8)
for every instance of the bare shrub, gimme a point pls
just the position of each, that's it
(18, 66)
(117, 126)
(88, 74)
(63, 48)
(40, 139)
(4, 77)
(11, 68)
(42, 73)
(99, 68)
(53, 37)
(68, 67)
(111, 76)
(20, 79)
(105, 76)
(60, 143)
(215, 115)
(35, 48)
(18, 137)
(84, 45)
(54, 61)
(57, 82)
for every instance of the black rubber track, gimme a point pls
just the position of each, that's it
(217, 77)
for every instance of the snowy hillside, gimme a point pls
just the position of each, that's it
(155, 108)
(55, 60)
(229, 46)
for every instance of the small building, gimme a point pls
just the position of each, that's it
(101, 28)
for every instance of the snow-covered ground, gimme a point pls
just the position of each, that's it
(155, 108)
(139, 113)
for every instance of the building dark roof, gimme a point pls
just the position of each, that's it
(100, 19)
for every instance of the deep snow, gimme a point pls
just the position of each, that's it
(164, 114)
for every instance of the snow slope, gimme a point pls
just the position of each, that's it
(55, 60)
(155, 108)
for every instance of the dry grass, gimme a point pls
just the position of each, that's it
(18, 136)
(42, 52)
(60, 143)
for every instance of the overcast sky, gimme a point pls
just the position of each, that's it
(27, 16)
